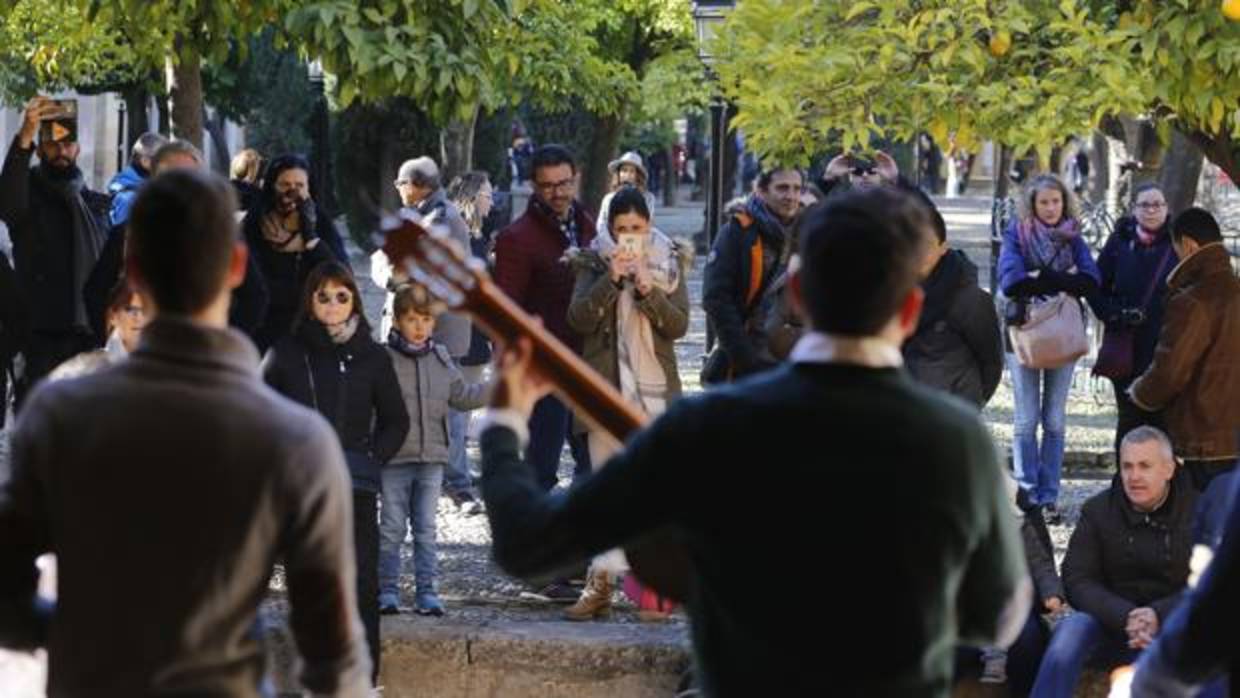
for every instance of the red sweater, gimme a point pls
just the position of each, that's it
(529, 267)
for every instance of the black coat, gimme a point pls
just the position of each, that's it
(958, 346)
(353, 385)
(739, 326)
(249, 304)
(1127, 269)
(284, 273)
(41, 228)
(1120, 559)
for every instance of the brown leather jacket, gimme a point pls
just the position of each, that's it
(1195, 376)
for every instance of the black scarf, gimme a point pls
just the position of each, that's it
(89, 234)
(397, 341)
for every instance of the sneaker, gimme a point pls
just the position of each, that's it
(1051, 514)
(388, 606)
(994, 668)
(467, 503)
(427, 603)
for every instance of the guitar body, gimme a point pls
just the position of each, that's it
(660, 559)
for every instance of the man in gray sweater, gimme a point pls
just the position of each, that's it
(168, 484)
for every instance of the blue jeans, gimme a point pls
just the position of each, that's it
(456, 478)
(1041, 398)
(410, 496)
(551, 425)
(1078, 640)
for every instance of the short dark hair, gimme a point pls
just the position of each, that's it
(181, 236)
(550, 155)
(936, 218)
(330, 270)
(1198, 224)
(767, 174)
(860, 255)
(627, 199)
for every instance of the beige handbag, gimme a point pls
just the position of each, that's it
(1053, 334)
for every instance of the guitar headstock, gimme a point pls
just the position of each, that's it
(432, 259)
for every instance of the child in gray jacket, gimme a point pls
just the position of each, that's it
(430, 383)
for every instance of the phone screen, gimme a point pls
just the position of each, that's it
(630, 244)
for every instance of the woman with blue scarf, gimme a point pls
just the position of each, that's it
(1042, 255)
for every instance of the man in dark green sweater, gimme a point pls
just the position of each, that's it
(898, 544)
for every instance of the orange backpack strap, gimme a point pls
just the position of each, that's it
(755, 272)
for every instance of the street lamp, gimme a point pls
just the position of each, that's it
(707, 16)
(320, 139)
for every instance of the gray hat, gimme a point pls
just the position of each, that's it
(629, 158)
(420, 172)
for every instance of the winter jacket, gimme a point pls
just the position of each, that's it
(123, 188)
(430, 384)
(1127, 270)
(284, 273)
(41, 228)
(1195, 374)
(729, 298)
(592, 314)
(530, 267)
(1120, 559)
(353, 385)
(957, 346)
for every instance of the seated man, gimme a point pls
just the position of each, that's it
(939, 559)
(1126, 566)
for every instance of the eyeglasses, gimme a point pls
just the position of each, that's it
(341, 297)
(1151, 206)
(135, 312)
(562, 185)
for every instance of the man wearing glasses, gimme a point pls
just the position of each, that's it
(529, 267)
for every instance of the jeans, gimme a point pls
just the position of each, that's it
(456, 478)
(410, 496)
(1041, 398)
(550, 425)
(1079, 640)
(366, 546)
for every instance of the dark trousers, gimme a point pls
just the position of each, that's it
(1131, 416)
(1201, 472)
(366, 547)
(550, 425)
(43, 352)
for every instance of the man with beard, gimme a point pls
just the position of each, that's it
(58, 228)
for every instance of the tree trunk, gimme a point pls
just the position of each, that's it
(165, 118)
(1181, 170)
(456, 147)
(184, 74)
(1100, 166)
(1221, 151)
(219, 156)
(607, 130)
(732, 156)
(1003, 163)
(137, 122)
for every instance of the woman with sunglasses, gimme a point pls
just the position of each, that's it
(1135, 263)
(331, 364)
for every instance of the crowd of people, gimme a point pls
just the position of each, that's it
(847, 327)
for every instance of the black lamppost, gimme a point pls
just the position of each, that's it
(707, 16)
(320, 141)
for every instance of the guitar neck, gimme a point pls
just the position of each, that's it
(598, 402)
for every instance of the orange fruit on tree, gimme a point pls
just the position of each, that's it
(1231, 9)
(1001, 41)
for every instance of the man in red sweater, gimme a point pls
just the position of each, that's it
(530, 267)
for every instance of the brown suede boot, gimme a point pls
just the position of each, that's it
(595, 601)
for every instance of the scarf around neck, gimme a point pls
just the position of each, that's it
(89, 234)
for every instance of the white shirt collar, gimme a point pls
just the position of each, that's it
(822, 348)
